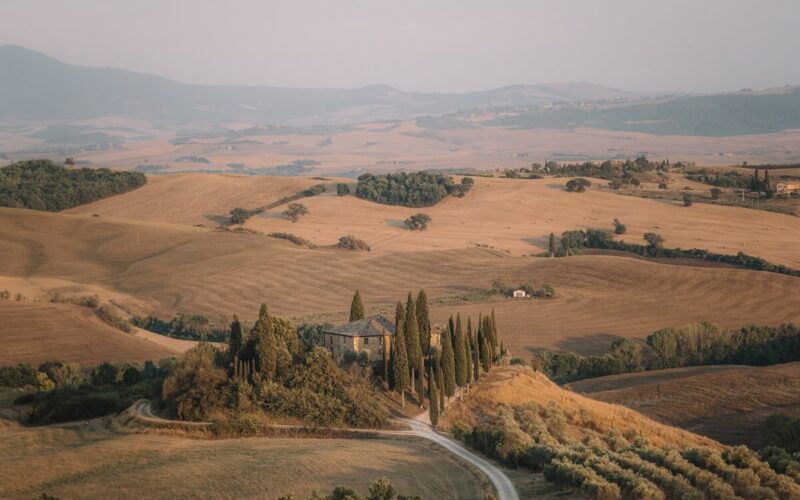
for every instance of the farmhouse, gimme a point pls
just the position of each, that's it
(787, 187)
(518, 294)
(370, 335)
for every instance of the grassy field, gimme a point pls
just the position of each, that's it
(91, 462)
(726, 403)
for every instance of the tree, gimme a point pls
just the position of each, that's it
(342, 189)
(468, 351)
(412, 338)
(239, 215)
(265, 345)
(687, 199)
(767, 186)
(418, 222)
(476, 359)
(356, 307)
(448, 366)
(439, 374)
(424, 320)
(381, 489)
(552, 245)
(495, 336)
(619, 227)
(104, 374)
(236, 338)
(654, 240)
(69, 161)
(295, 210)
(400, 358)
(433, 396)
(420, 388)
(578, 185)
(715, 193)
(460, 355)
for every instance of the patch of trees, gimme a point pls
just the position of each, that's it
(784, 431)
(105, 312)
(294, 211)
(619, 173)
(342, 189)
(182, 326)
(350, 242)
(192, 159)
(573, 241)
(522, 173)
(416, 189)
(726, 179)
(693, 345)
(43, 185)
(66, 394)
(418, 222)
(297, 240)
(546, 291)
(272, 370)
(578, 185)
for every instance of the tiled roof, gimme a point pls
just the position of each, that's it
(372, 326)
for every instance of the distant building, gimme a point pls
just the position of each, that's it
(370, 335)
(787, 187)
(520, 294)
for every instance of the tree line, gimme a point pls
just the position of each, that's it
(692, 345)
(43, 185)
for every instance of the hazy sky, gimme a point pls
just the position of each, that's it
(426, 45)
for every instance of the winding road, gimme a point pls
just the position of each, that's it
(419, 428)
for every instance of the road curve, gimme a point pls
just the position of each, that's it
(505, 489)
(420, 428)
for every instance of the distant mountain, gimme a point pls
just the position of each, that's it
(36, 87)
(740, 113)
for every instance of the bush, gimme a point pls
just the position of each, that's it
(783, 431)
(578, 185)
(418, 189)
(239, 215)
(619, 227)
(687, 200)
(352, 243)
(22, 375)
(107, 314)
(43, 185)
(715, 193)
(342, 189)
(297, 240)
(418, 222)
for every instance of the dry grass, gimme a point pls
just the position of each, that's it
(726, 403)
(32, 332)
(586, 417)
(90, 462)
(161, 265)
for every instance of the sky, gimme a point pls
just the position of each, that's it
(423, 45)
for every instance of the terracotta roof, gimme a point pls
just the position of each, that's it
(371, 326)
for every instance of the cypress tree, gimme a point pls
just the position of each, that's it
(476, 360)
(460, 355)
(386, 358)
(433, 407)
(451, 328)
(468, 352)
(448, 367)
(236, 338)
(400, 360)
(421, 380)
(437, 365)
(552, 245)
(412, 339)
(495, 336)
(424, 320)
(266, 344)
(356, 308)
(766, 181)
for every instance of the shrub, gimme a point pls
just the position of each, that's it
(783, 431)
(418, 222)
(350, 242)
(297, 240)
(239, 215)
(687, 200)
(715, 193)
(107, 314)
(22, 375)
(43, 185)
(568, 473)
(619, 227)
(342, 189)
(578, 185)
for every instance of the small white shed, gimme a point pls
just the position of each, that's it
(520, 294)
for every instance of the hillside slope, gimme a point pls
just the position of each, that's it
(726, 403)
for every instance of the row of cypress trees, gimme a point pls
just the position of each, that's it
(456, 363)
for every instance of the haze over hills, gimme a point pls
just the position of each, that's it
(35, 86)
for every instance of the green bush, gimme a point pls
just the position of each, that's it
(418, 222)
(350, 242)
(578, 185)
(342, 189)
